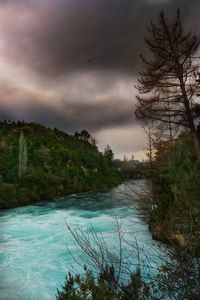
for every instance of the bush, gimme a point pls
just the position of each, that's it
(104, 286)
(175, 182)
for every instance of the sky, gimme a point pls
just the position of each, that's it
(72, 64)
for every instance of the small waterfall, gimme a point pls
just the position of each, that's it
(23, 155)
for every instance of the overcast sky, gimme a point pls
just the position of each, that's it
(72, 64)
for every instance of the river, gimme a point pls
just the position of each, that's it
(33, 255)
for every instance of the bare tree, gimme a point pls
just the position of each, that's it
(128, 270)
(167, 86)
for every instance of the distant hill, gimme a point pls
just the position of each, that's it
(39, 163)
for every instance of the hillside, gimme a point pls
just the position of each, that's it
(38, 163)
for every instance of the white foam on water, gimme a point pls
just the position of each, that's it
(33, 255)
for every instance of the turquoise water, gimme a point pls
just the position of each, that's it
(33, 240)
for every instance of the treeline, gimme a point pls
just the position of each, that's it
(130, 168)
(39, 163)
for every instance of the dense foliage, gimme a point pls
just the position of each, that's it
(38, 163)
(104, 287)
(175, 190)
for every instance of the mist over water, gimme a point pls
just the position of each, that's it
(33, 254)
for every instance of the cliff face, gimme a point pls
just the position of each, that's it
(38, 163)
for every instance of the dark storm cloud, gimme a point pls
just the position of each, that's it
(72, 64)
(57, 37)
(91, 117)
(75, 116)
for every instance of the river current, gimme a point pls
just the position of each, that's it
(34, 239)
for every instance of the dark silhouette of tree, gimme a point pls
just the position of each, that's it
(108, 153)
(168, 86)
(94, 142)
(83, 135)
(76, 134)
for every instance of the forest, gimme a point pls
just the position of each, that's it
(39, 163)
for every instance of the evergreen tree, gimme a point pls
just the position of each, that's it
(167, 87)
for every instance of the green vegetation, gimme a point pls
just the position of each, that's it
(175, 190)
(132, 169)
(105, 287)
(167, 101)
(38, 163)
(176, 279)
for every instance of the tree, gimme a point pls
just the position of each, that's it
(94, 142)
(108, 153)
(83, 135)
(124, 272)
(168, 86)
